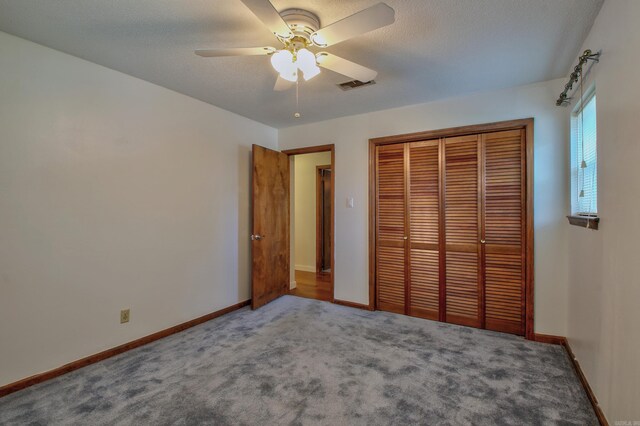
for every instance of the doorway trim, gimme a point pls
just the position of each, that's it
(324, 148)
(525, 124)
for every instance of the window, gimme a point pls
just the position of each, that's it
(584, 159)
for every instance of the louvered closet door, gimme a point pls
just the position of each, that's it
(424, 220)
(390, 244)
(463, 303)
(504, 229)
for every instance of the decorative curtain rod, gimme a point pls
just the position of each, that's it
(588, 55)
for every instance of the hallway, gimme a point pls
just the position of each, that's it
(312, 285)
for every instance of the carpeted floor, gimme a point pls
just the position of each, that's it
(301, 361)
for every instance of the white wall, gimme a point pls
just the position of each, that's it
(604, 277)
(351, 134)
(305, 208)
(114, 193)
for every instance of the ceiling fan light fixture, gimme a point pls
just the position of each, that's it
(305, 59)
(282, 61)
(309, 74)
(306, 62)
(290, 75)
(297, 30)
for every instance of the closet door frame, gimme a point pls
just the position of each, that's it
(523, 124)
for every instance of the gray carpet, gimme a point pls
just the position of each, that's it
(300, 361)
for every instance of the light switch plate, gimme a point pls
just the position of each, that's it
(350, 202)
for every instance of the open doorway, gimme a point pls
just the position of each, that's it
(312, 222)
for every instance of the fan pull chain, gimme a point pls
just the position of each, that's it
(297, 113)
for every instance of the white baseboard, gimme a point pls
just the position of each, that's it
(293, 285)
(305, 268)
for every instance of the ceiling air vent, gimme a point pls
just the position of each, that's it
(354, 84)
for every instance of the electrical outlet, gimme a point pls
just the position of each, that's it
(124, 316)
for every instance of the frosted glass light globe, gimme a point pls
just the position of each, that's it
(282, 60)
(306, 62)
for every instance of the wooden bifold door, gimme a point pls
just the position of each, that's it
(451, 228)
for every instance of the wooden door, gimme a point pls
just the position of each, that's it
(504, 230)
(270, 236)
(462, 176)
(391, 232)
(424, 234)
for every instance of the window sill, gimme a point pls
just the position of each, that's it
(590, 222)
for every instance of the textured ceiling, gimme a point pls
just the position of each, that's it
(435, 49)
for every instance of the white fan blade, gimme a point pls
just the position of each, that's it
(366, 20)
(269, 16)
(344, 67)
(236, 51)
(282, 84)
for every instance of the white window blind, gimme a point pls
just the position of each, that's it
(584, 159)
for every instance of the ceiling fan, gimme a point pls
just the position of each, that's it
(298, 30)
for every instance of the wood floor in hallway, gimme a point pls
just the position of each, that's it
(312, 285)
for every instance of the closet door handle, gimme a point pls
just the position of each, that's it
(481, 241)
(404, 238)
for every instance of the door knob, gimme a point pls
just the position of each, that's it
(404, 238)
(481, 241)
(256, 237)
